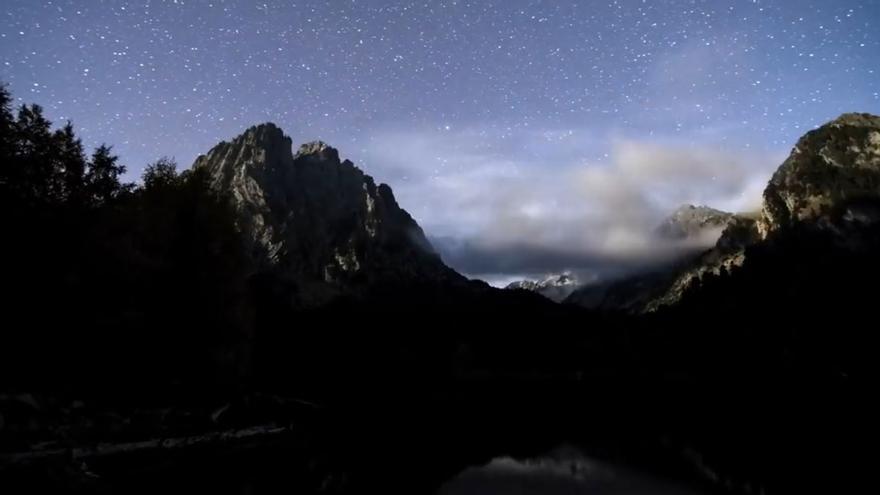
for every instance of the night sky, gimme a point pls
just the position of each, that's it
(524, 136)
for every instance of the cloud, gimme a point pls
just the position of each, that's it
(501, 203)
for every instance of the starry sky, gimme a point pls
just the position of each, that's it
(525, 136)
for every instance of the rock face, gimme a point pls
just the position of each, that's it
(318, 220)
(729, 252)
(830, 182)
(839, 162)
(691, 221)
(555, 287)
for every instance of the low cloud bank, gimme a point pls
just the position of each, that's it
(500, 205)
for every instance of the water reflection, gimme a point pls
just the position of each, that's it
(563, 471)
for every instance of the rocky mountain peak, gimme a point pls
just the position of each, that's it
(266, 136)
(857, 119)
(832, 165)
(318, 150)
(689, 221)
(264, 129)
(320, 222)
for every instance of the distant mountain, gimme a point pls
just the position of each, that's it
(317, 221)
(690, 226)
(694, 227)
(689, 222)
(555, 287)
(828, 190)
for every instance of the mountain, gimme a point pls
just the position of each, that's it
(831, 167)
(827, 190)
(828, 186)
(691, 222)
(317, 221)
(689, 227)
(555, 287)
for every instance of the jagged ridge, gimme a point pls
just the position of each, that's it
(319, 220)
(555, 287)
(690, 220)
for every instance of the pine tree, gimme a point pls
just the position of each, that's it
(7, 126)
(102, 178)
(71, 165)
(31, 175)
(7, 144)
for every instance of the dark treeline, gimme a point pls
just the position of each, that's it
(108, 282)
